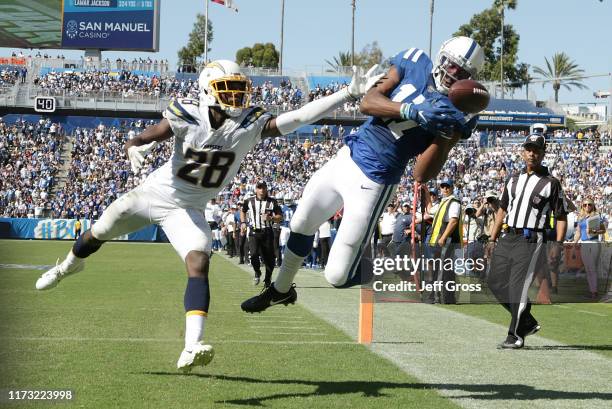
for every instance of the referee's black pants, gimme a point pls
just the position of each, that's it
(261, 244)
(513, 265)
(277, 250)
(325, 246)
(242, 240)
(231, 246)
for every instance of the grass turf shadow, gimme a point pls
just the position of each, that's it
(373, 389)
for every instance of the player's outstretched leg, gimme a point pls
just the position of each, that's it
(319, 202)
(74, 262)
(127, 214)
(197, 301)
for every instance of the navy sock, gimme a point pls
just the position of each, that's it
(83, 249)
(300, 244)
(197, 294)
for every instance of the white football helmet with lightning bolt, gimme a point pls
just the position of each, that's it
(223, 84)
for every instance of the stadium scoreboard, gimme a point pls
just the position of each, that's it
(111, 24)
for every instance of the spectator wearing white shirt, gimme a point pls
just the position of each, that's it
(387, 226)
(229, 223)
(324, 242)
(213, 214)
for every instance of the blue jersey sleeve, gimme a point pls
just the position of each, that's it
(398, 62)
(404, 59)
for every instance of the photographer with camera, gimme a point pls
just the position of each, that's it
(487, 211)
(473, 231)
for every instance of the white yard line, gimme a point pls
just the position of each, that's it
(456, 354)
(597, 314)
(173, 340)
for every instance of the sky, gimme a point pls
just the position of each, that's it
(316, 30)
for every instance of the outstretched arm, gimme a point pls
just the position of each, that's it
(376, 101)
(137, 147)
(315, 110)
(155, 133)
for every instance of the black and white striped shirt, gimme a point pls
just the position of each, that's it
(528, 199)
(256, 209)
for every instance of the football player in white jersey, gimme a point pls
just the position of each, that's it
(211, 137)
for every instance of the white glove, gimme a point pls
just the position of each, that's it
(360, 84)
(136, 154)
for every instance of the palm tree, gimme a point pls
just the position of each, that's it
(342, 60)
(562, 72)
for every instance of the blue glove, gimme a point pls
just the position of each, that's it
(434, 119)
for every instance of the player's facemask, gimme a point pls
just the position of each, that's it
(450, 71)
(233, 93)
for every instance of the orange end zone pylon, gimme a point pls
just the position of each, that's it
(366, 316)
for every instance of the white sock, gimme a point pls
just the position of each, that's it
(71, 260)
(194, 328)
(291, 264)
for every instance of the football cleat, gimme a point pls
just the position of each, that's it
(256, 280)
(269, 297)
(512, 342)
(532, 330)
(199, 354)
(50, 279)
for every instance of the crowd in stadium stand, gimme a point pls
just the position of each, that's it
(140, 64)
(320, 92)
(9, 76)
(487, 138)
(29, 161)
(99, 171)
(285, 96)
(286, 165)
(121, 84)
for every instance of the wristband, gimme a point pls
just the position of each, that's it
(405, 110)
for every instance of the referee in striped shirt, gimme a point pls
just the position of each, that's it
(526, 202)
(261, 211)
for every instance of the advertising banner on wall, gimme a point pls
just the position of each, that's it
(111, 24)
(487, 118)
(63, 229)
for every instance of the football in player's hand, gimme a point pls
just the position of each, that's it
(469, 96)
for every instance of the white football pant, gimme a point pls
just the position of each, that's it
(340, 183)
(186, 229)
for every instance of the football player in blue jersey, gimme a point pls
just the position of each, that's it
(410, 115)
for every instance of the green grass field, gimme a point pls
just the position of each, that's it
(113, 334)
